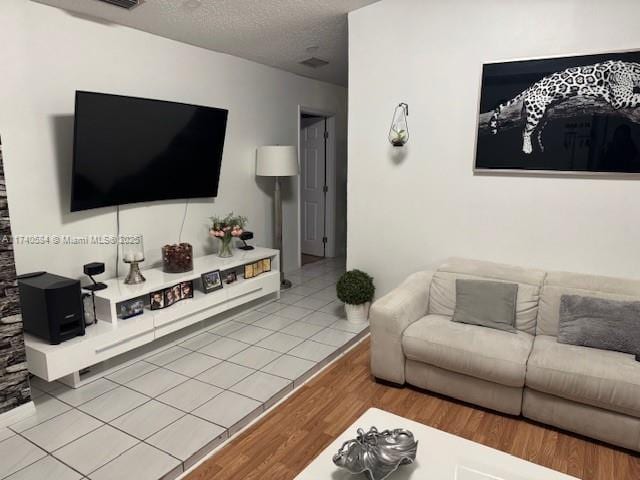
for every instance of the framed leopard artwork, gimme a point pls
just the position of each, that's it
(577, 115)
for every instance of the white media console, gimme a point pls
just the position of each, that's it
(112, 336)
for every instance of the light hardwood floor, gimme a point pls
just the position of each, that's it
(286, 440)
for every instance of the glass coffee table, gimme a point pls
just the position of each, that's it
(441, 456)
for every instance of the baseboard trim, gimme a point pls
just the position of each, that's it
(17, 414)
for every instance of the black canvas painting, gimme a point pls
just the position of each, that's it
(574, 114)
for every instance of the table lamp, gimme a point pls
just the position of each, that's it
(278, 161)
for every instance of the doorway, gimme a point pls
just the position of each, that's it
(318, 186)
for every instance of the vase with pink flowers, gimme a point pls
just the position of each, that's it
(226, 229)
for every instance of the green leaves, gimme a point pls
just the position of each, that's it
(218, 223)
(355, 287)
(399, 134)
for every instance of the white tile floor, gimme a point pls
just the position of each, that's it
(154, 418)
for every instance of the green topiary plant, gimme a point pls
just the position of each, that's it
(355, 287)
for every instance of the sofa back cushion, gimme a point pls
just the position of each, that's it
(600, 323)
(442, 294)
(557, 284)
(486, 303)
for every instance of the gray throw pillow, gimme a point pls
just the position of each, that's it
(486, 303)
(600, 323)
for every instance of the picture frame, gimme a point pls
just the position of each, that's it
(131, 308)
(256, 268)
(248, 271)
(581, 133)
(186, 289)
(266, 265)
(156, 300)
(171, 295)
(211, 281)
(230, 277)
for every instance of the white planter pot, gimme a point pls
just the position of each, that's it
(357, 314)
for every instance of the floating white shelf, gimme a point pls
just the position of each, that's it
(112, 336)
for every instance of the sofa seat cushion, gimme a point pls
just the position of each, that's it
(480, 352)
(600, 378)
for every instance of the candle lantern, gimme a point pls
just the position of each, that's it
(133, 254)
(399, 131)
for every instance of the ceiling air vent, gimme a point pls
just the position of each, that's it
(128, 4)
(314, 62)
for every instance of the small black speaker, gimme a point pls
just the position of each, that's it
(90, 270)
(51, 306)
(94, 268)
(244, 237)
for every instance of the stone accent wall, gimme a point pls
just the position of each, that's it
(14, 376)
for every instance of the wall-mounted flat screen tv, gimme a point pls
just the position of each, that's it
(129, 150)
(578, 115)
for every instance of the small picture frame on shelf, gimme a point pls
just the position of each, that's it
(186, 289)
(171, 295)
(157, 300)
(130, 308)
(266, 265)
(168, 296)
(256, 268)
(248, 271)
(230, 277)
(211, 281)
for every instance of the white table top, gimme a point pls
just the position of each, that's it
(441, 456)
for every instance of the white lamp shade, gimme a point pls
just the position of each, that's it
(277, 161)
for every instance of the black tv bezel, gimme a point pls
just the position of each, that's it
(74, 208)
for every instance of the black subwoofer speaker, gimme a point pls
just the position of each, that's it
(51, 306)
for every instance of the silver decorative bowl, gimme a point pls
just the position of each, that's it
(377, 454)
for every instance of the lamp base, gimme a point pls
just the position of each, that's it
(285, 284)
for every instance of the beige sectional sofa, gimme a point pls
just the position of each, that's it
(584, 390)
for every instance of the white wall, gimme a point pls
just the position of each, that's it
(409, 213)
(47, 54)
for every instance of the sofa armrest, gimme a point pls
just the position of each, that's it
(389, 317)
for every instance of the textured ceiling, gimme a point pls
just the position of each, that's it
(272, 32)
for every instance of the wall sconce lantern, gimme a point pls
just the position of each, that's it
(399, 131)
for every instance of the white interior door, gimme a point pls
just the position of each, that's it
(312, 182)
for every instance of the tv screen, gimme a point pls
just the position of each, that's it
(129, 150)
